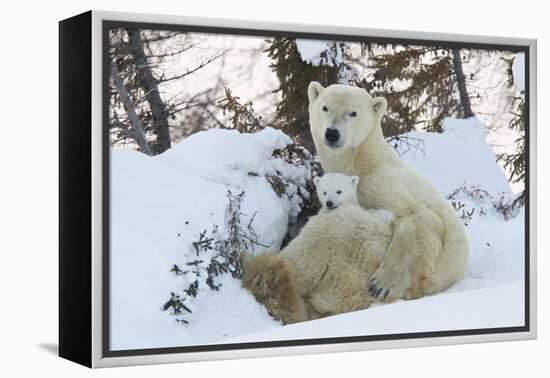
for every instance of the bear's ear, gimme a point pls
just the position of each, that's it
(354, 180)
(313, 90)
(379, 105)
(316, 180)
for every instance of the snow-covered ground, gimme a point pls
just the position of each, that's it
(160, 205)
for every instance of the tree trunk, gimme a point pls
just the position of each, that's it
(461, 81)
(138, 134)
(150, 86)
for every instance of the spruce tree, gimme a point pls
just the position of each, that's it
(422, 84)
(514, 162)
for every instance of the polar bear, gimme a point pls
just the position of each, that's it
(326, 268)
(429, 249)
(336, 189)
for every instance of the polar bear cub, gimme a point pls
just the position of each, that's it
(324, 270)
(337, 189)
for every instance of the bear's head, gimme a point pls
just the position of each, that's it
(335, 189)
(341, 117)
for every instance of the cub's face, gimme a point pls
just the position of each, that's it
(335, 189)
(342, 116)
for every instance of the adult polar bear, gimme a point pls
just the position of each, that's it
(428, 251)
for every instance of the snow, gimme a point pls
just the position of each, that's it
(160, 205)
(311, 51)
(446, 312)
(518, 71)
(452, 158)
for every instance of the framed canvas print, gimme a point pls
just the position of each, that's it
(233, 189)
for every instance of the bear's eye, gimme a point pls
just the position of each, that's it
(325, 193)
(353, 114)
(325, 109)
(338, 192)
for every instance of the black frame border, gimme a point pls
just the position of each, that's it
(75, 189)
(105, 348)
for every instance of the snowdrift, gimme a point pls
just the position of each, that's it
(160, 205)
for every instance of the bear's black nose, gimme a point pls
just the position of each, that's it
(330, 204)
(332, 135)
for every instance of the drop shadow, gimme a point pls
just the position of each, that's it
(51, 348)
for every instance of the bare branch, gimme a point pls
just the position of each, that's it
(138, 133)
(189, 72)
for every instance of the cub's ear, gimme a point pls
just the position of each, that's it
(316, 180)
(379, 105)
(354, 180)
(314, 90)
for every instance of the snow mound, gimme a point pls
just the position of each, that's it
(226, 156)
(460, 155)
(159, 205)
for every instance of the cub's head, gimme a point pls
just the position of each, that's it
(335, 189)
(341, 116)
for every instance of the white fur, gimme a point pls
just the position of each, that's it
(335, 189)
(429, 248)
(333, 258)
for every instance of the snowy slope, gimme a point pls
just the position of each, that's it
(457, 156)
(154, 198)
(160, 205)
(447, 312)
